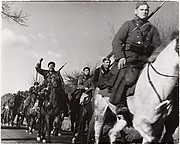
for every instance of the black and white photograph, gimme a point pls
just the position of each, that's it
(89, 72)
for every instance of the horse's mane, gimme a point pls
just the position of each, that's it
(171, 36)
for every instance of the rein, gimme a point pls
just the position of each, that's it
(151, 83)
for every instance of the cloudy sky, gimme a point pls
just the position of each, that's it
(76, 33)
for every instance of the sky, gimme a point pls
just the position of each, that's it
(76, 33)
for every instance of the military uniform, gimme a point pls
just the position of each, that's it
(135, 41)
(99, 77)
(84, 82)
(54, 80)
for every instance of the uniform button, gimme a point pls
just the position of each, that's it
(137, 36)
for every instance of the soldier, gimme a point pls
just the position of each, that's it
(100, 74)
(34, 88)
(53, 79)
(132, 45)
(84, 82)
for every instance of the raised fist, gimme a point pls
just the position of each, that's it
(41, 60)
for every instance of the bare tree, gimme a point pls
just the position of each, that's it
(112, 31)
(17, 16)
(166, 29)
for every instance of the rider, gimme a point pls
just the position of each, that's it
(100, 76)
(84, 81)
(53, 79)
(132, 45)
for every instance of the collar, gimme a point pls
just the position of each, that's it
(139, 21)
(104, 70)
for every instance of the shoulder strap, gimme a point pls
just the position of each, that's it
(135, 28)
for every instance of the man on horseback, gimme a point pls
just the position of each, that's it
(100, 74)
(53, 79)
(82, 102)
(84, 80)
(132, 45)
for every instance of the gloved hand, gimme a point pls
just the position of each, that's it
(121, 63)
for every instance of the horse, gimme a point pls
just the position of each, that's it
(6, 114)
(20, 114)
(17, 109)
(83, 114)
(51, 103)
(75, 108)
(151, 103)
(31, 112)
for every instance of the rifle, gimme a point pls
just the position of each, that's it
(111, 53)
(61, 67)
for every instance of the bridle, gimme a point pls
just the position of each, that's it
(151, 83)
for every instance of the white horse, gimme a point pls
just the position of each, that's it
(150, 103)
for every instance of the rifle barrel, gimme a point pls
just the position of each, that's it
(156, 10)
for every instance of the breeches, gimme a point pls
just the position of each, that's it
(126, 78)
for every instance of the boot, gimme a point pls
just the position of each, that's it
(121, 109)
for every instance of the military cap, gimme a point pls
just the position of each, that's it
(51, 62)
(104, 59)
(86, 68)
(141, 3)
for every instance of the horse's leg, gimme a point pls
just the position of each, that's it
(31, 124)
(119, 126)
(99, 110)
(80, 125)
(13, 117)
(145, 129)
(72, 122)
(27, 123)
(91, 129)
(60, 123)
(4, 117)
(40, 126)
(17, 121)
(48, 127)
(43, 129)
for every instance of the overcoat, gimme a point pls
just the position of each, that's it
(135, 41)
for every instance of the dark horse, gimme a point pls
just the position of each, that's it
(31, 112)
(17, 109)
(52, 103)
(81, 113)
(6, 113)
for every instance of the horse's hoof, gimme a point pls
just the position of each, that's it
(43, 141)
(59, 134)
(38, 138)
(73, 140)
(30, 132)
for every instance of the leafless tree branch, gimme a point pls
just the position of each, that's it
(18, 17)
